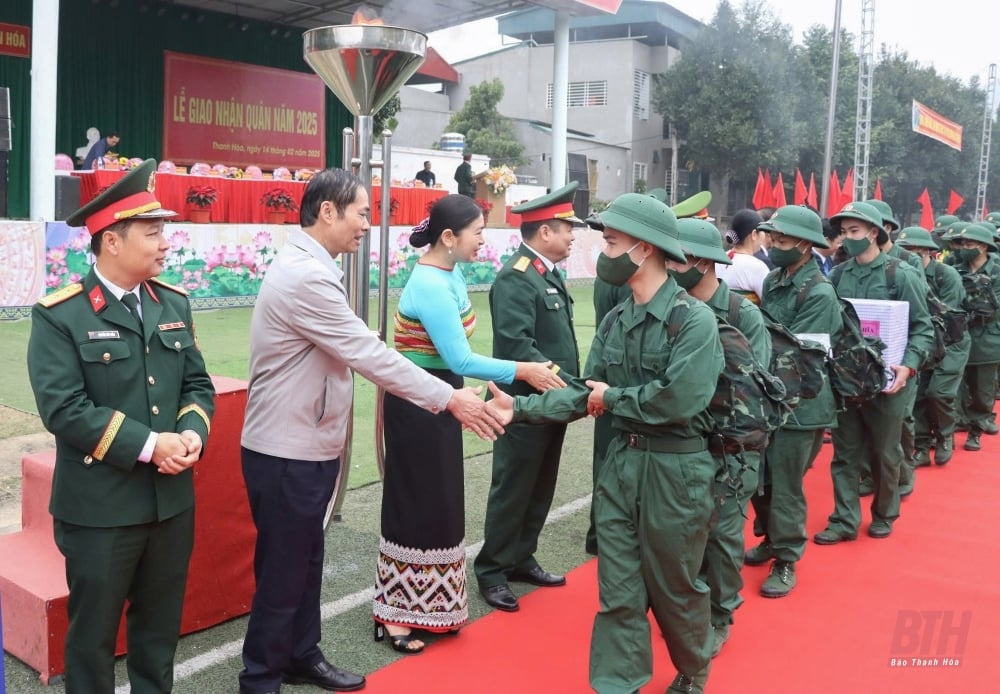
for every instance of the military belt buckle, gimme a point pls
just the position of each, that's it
(635, 440)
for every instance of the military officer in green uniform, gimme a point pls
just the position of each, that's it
(797, 295)
(871, 431)
(935, 408)
(972, 246)
(736, 475)
(532, 314)
(120, 383)
(654, 497)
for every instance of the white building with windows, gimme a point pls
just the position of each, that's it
(615, 143)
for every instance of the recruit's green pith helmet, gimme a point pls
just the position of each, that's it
(702, 239)
(994, 217)
(658, 193)
(916, 237)
(864, 212)
(942, 223)
(886, 212)
(976, 232)
(646, 219)
(798, 221)
(950, 232)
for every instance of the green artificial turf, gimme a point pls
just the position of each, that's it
(224, 337)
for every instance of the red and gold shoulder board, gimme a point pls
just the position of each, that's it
(61, 295)
(171, 287)
(522, 263)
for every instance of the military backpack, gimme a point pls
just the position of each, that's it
(749, 403)
(980, 300)
(856, 368)
(799, 364)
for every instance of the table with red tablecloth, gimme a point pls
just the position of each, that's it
(238, 200)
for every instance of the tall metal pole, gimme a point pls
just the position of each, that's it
(560, 94)
(984, 155)
(863, 128)
(832, 112)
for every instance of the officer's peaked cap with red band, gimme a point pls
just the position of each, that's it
(130, 198)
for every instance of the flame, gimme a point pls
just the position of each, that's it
(366, 17)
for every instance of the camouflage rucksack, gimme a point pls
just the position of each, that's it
(980, 301)
(954, 322)
(856, 368)
(749, 403)
(799, 364)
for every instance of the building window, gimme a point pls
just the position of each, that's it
(639, 177)
(640, 95)
(581, 94)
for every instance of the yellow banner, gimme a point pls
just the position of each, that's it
(935, 126)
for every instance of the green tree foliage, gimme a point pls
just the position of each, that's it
(486, 130)
(745, 95)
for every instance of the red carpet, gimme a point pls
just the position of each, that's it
(836, 632)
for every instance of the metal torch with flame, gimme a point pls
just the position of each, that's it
(364, 63)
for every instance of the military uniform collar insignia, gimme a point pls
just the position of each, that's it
(97, 300)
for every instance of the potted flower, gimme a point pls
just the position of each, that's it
(201, 199)
(278, 201)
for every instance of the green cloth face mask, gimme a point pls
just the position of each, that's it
(616, 271)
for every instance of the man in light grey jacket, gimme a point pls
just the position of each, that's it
(304, 344)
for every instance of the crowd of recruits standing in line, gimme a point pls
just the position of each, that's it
(877, 444)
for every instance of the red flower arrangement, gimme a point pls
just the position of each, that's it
(279, 199)
(485, 206)
(201, 196)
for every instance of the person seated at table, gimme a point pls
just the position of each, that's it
(100, 148)
(426, 176)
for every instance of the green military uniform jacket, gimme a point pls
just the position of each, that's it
(101, 387)
(657, 388)
(985, 338)
(819, 313)
(532, 317)
(858, 281)
(750, 321)
(607, 296)
(909, 257)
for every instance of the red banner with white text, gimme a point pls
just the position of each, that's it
(935, 126)
(222, 112)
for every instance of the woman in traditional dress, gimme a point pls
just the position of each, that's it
(420, 580)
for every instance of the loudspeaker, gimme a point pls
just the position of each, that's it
(67, 196)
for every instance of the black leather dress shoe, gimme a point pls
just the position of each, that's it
(500, 597)
(325, 676)
(537, 576)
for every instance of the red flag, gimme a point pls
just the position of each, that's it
(833, 205)
(878, 189)
(954, 202)
(761, 191)
(800, 189)
(811, 198)
(927, 213)
(779, 199)
(847, 193)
